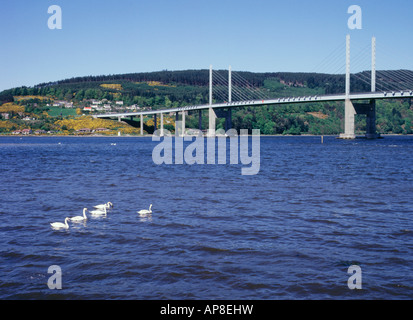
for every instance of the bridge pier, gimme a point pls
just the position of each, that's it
(351, 109)
(227, 114)
(161, 133)
(369, 109)
(183, 123)
(141, 124)
(200, 120)
(371, 132)
(212, 122)
(177, 123)
(349, 113)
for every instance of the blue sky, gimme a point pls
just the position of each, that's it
(123, 36)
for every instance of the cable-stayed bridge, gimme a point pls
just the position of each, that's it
(232, 90)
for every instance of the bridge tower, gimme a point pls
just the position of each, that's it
(214, 114)
(351, 109)
(211, 112)
(371, 132)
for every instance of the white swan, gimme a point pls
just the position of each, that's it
(106, 205)
(146, 211)
(80, 218)
(98, 212)
(59, 225)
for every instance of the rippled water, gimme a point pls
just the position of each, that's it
(290, 232)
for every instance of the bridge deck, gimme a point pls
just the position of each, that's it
(289, 100)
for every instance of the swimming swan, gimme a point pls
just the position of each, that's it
(98, 212)
(106, 205)
(80, 218)
(59, 225)
(146, 211)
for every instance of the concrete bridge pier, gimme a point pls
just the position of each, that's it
(176, 123)
(371, 132)
(351, 109)
(212, 122)
(141, 124)
(369, 109)
(162, 132)
(183, 123)
(227, 114)
(179, 131)
(349, 113)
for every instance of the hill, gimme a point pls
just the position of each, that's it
(44, 105)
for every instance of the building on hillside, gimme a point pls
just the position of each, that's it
(84, 130)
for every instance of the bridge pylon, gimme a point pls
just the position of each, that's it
(351, 109)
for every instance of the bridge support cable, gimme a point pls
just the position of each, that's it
(363, 61)
(235, 88)
(401, 79)
(373, 64)
(331, 63)
(367, 80)
(397, 79)
(221, 84)
(253, 93)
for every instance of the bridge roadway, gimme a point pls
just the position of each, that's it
(290, 100)
(369, 109)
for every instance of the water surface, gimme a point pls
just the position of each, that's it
(290, 232)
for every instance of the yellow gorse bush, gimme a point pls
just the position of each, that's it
(20, 98)
(11, 107)
(159, 84)
(113, 86)
(166, 120)
(6, 125)
(95, 123)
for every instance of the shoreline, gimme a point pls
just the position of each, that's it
(150, 136)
